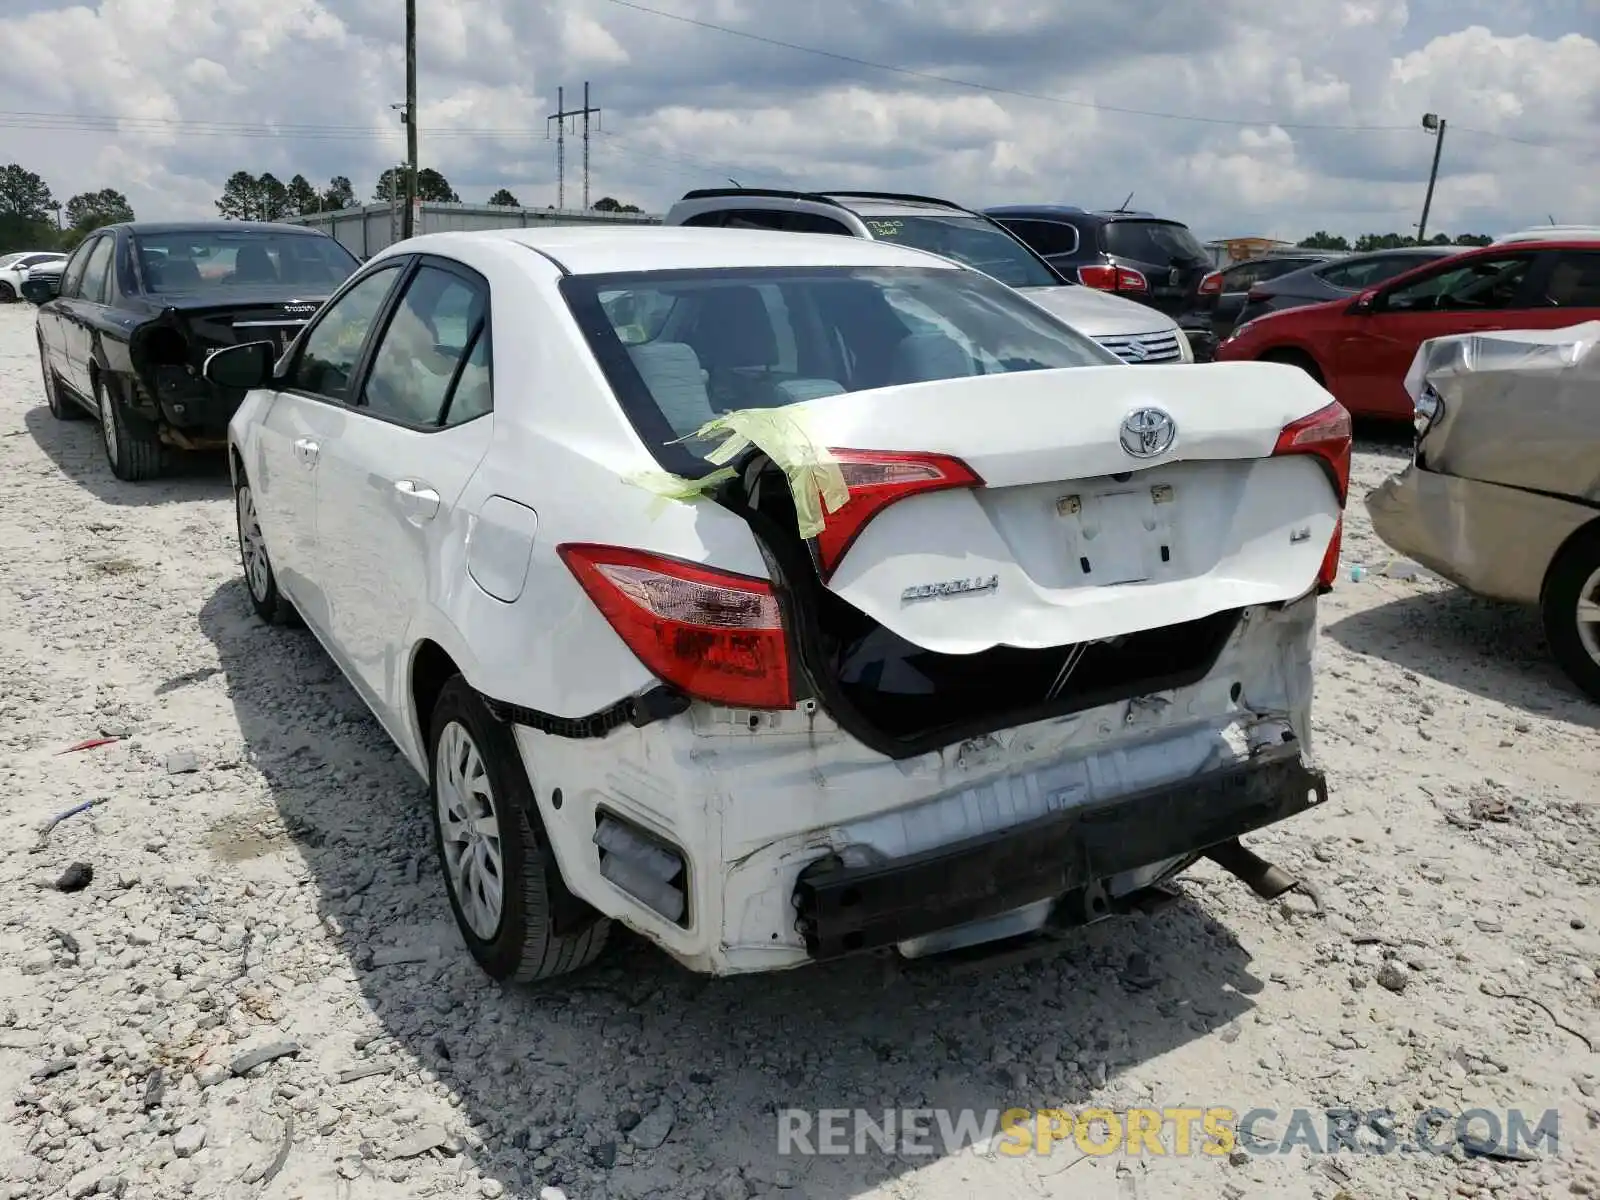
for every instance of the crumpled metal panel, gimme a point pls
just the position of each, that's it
(1520, 408)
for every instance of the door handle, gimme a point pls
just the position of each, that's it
(306, 451)
(420, 501)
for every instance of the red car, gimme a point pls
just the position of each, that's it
(1361, 349)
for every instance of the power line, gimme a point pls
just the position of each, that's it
(994, 89)
(107, 123)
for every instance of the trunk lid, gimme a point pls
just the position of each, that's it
(1075, 538)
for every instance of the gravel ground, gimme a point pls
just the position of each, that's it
(263, 881)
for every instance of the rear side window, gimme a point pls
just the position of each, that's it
(1151, 241)
(1574, 281)
(1049, 238)
(1357, 274)
(681, 347)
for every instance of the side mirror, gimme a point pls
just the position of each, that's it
(1364, 303)
(41, 291)
(247, 366)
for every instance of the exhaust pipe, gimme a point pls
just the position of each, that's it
(1261, 877)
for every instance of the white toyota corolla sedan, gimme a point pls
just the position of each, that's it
(786, 597)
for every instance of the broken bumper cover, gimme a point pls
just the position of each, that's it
(843, 910)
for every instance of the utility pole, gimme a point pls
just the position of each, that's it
(1435, 124)
(586, 111)
(408, 217)
(560, 117)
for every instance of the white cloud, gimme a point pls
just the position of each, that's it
(686, 106)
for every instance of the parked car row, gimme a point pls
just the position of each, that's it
(16, 266)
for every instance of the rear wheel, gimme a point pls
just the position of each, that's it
(133, 447)
(1571, 610)
(259, 579)
(61, 408)
(492, 851)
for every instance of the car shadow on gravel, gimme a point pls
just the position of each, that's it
(551, 1079)
(75, 447)
(1497, 651)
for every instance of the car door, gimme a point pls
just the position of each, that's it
(1374, 349)
(52, 316)
(387, 487)
(88, 311)
(70, 314)
(307, 411)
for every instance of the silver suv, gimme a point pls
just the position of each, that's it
(1132, 331)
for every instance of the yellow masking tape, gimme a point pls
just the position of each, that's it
(815, 479)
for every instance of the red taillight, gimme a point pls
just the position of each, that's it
(1325, 434)
(1211, 285)
(876, 479)
(711, 634)
(1112, 279)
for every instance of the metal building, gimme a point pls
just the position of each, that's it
(369, 228)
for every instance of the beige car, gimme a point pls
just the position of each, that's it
(1503, 494)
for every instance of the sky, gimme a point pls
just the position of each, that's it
(1239, 117)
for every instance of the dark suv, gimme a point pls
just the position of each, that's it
(1134, 254)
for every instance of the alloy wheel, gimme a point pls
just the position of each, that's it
(1589, 615)
(253, 547)
(469, 831)
(108, 423)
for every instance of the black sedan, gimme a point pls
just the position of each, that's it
(125, 330)
(1336, 280)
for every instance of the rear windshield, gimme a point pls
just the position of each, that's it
(681, 347)
(226, 258)
(1152, 241)
(972, 241)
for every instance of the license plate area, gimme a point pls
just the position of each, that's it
(1122, 535)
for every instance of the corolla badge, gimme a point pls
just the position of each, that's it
(950, 587)
(1147, 432)
(299, 308)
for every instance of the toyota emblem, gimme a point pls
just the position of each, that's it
(1147, 432)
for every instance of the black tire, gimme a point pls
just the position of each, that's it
(62, 406)
(522, 946)
(133, 446)
(260, 581)
(8, 294)
(1574, 578)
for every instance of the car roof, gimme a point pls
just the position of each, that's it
(1043, 211)
(603, 250)
(160, 227)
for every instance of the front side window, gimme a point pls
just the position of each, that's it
(224, 258)
(972, 241)
(681, 347)
(423, 350)
(332, 347)
(1483, 284)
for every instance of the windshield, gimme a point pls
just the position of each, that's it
(206, 258)
(680, 348)
(972, 241)
(1152, 241)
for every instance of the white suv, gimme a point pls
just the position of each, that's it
(1133, 332)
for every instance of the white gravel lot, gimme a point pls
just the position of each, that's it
(262, 874)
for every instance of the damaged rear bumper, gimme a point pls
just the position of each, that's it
(844, 909)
